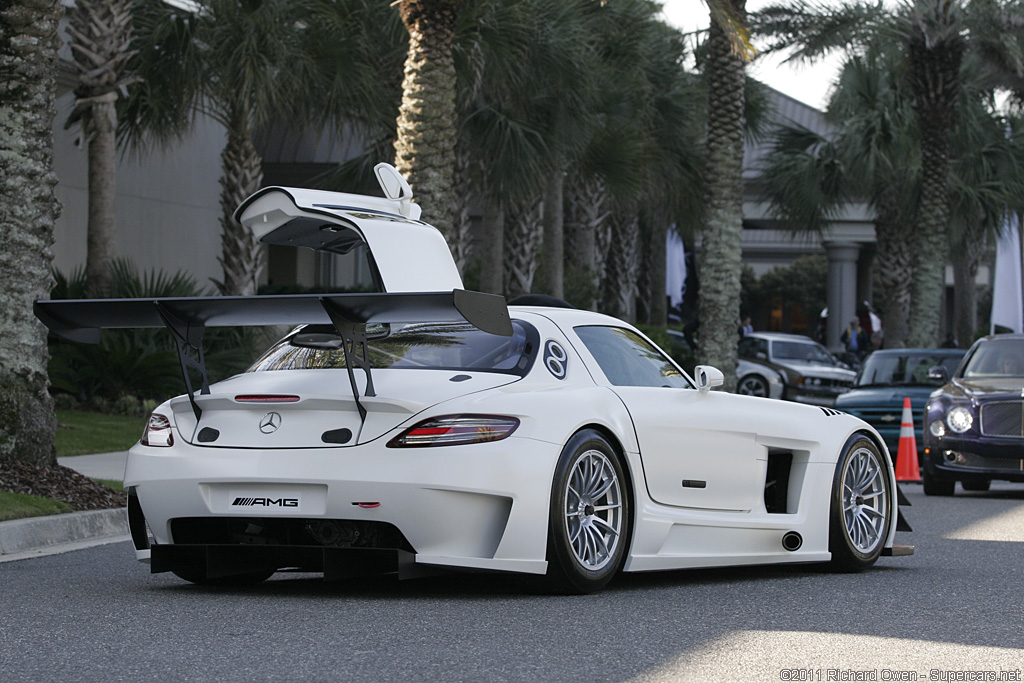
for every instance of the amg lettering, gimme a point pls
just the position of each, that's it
(266, 502)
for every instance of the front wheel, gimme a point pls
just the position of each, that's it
(753, 385)
(861, 507)
(590, 517)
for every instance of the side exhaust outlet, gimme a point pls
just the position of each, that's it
(791, 541)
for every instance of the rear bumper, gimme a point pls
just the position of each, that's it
(481, 506)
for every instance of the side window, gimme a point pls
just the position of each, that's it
(751, 346)
(628, 360)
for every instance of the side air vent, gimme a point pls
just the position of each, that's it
(829, 412)
(776, 484)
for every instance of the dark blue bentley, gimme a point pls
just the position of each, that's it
(974, 425)
(888, 377)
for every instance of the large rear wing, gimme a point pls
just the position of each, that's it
(188, 317)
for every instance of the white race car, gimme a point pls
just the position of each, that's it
(426, 428)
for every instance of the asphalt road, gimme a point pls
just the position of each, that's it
(953, 611)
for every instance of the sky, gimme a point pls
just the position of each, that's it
(807, 83)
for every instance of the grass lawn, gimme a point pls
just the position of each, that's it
(18, 505)
(78, 433)
(81, 433)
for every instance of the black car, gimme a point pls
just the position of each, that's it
(974, 424)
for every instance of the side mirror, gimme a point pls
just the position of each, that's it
(939, 373)
(761, 355)
(708, 377)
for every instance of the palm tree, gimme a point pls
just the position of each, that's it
(100, 40)
(425, 143)
(28, 210)
(875, 154)
(240, 64)
(934, 35)
(720, 254)
(871, 156)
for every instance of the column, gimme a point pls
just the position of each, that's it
(842, 289)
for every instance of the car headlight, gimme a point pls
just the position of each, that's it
(937, 428)
(959, 419)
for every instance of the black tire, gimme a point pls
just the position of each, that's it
(976, 484)
(235, 580)
(937, 487)
(861, 506)
(590, 520)
(753, 385)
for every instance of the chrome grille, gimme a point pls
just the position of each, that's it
(1002, 418)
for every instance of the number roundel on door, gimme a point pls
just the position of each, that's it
(556, 360)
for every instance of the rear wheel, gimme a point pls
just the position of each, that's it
(937, 487)
(861, 513)
(200, 578)
(590, 517)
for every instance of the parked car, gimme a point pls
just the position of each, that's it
(974, 424)
(889, 376)
(791, 367)
(425, 428)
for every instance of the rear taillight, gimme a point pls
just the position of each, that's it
(453, 430)
(158, 432)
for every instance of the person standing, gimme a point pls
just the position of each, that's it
(855, 339)
(746, 327)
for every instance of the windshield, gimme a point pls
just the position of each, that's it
(430, 346)
(996, 358)
(903, 369)
(810, 353)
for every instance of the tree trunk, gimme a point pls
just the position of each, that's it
(894, 263)
(242, 175)
(101, 127)
(100, 38)
(425, 146)
(623, 269)
(554, 235)
(28, 210)
(934, 73)
(492, 256)
(966, 257)
(461, 243)
(657, 233)
(524, 233)
(720, 252)
(587, 218)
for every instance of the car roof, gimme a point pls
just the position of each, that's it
(782, 336)
(919, 351)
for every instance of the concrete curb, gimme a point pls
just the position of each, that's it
(39, 533)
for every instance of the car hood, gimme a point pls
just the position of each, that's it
(324, 413)
(987, 388)
(884, 397)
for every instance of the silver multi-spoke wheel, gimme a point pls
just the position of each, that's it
(861, 515)
(593, 510)
(590, 522)
(865, 503)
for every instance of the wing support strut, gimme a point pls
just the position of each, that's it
(353, 337)
(188, 339)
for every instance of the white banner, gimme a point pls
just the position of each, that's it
(1007, 296)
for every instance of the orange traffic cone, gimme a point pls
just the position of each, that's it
(907, 467)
